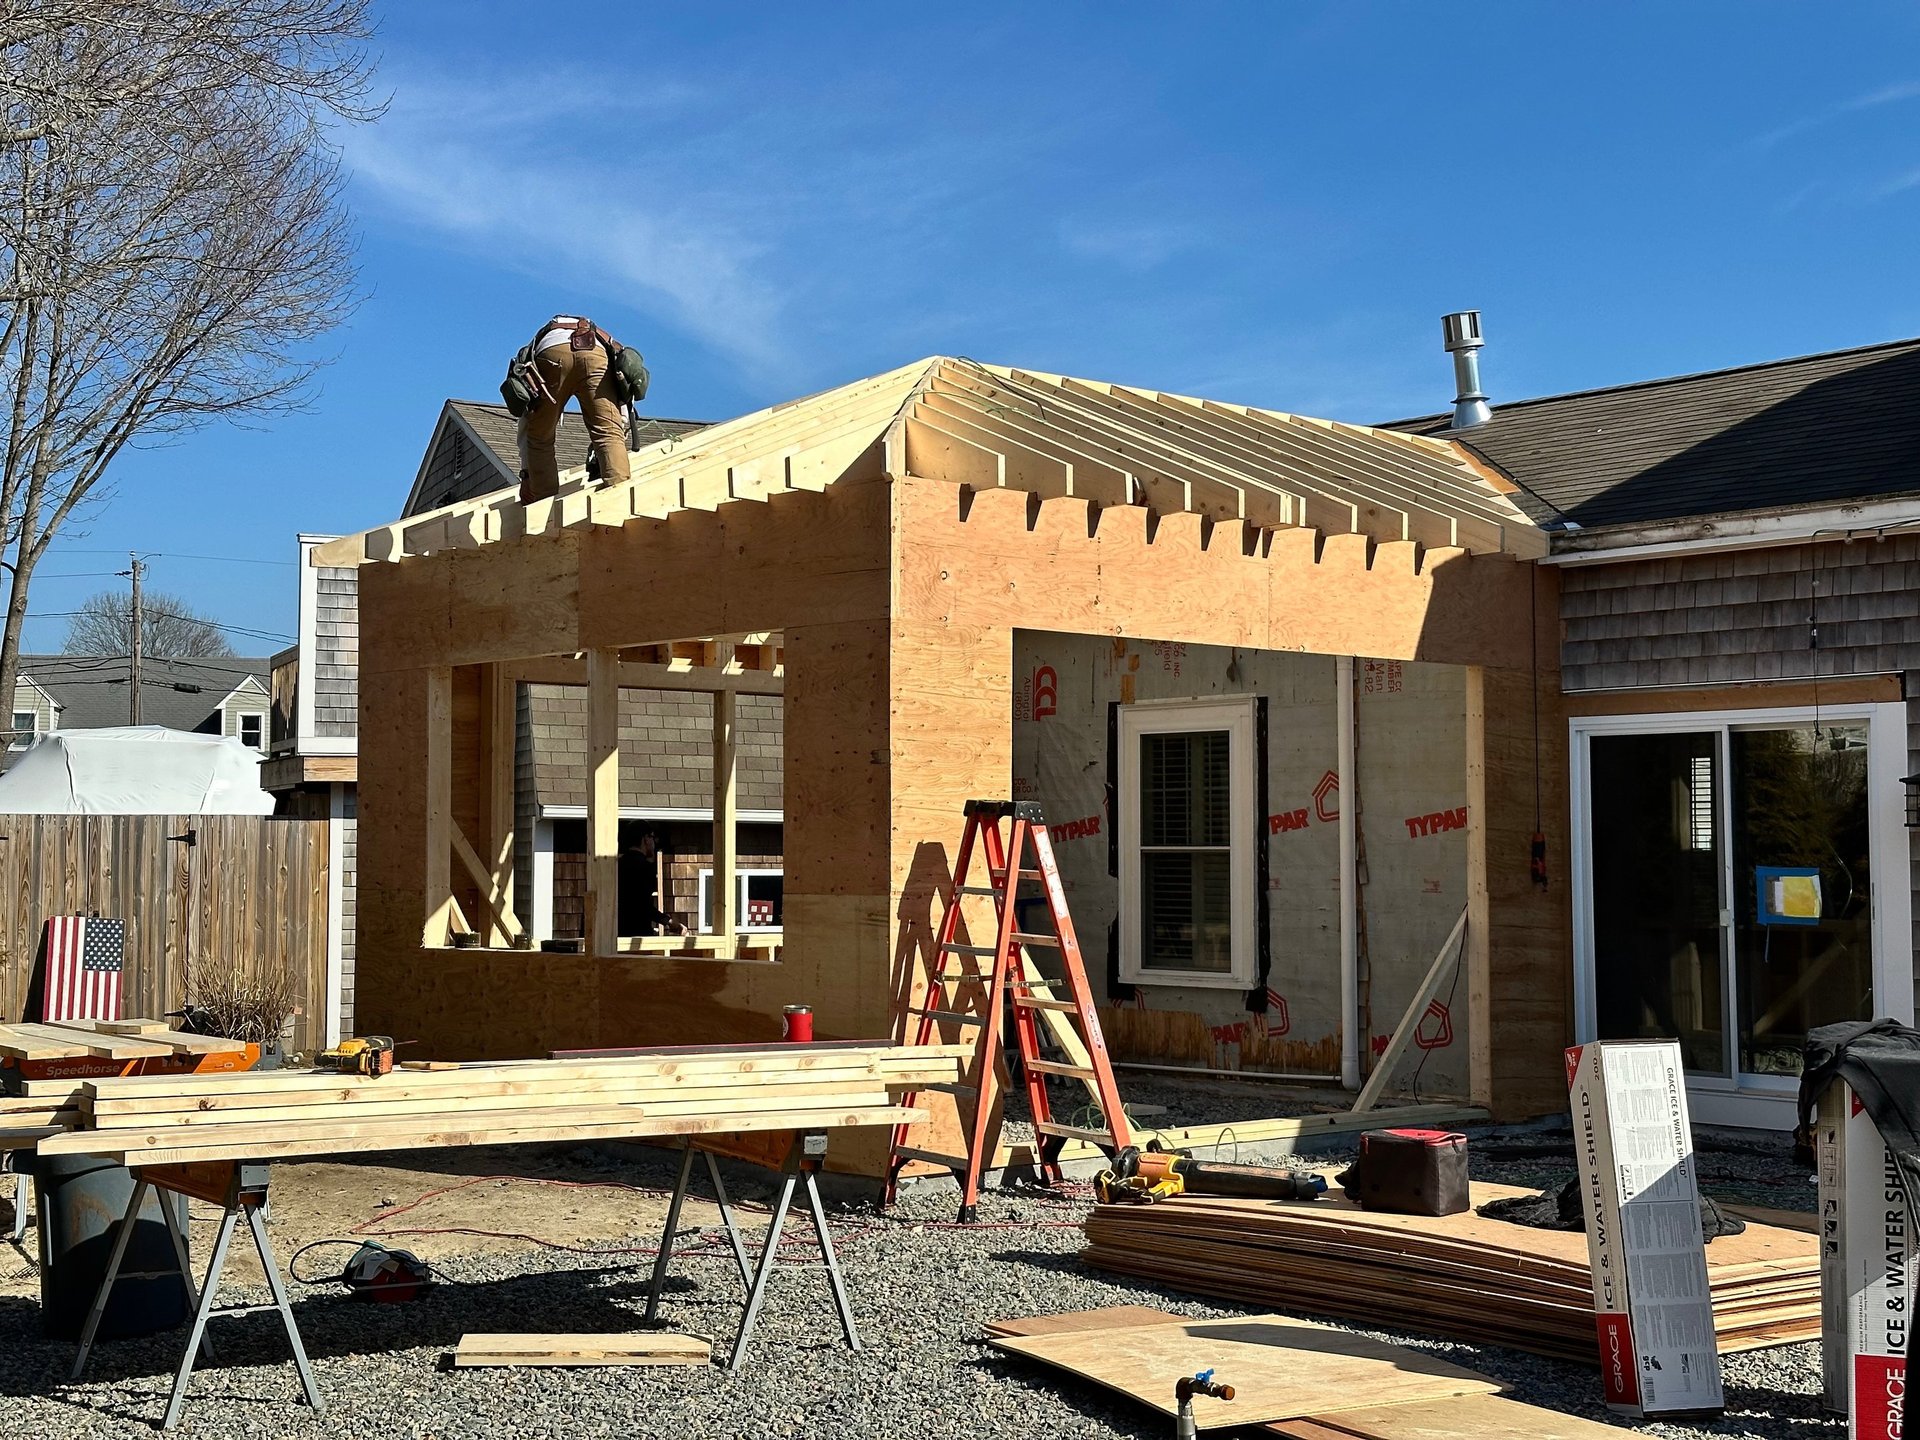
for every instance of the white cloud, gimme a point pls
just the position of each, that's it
(1137, 246)
(1869, 100)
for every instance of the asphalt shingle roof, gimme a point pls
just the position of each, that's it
(179, 694)
(1816, 429)
(498, 432)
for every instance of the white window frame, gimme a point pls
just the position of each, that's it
(240, 728)
(740, 900)
(20, 740)
(1761, 1102)
(1177, 717)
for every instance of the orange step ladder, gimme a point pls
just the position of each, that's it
(1012, 838)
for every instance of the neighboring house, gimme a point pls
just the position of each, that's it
(313, 765)
(1739, 563)
(214, 695)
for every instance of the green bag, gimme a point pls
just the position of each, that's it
(628, 373)
(523, 386)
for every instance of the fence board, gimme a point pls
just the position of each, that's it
(249, 893)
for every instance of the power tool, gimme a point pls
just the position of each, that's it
(363, 1055)
(1150, 1175)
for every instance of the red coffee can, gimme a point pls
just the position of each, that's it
(796, 1023)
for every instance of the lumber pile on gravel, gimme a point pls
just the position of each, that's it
(1460, 1276)
(264, 1115)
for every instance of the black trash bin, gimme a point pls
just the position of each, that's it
(82, 1199)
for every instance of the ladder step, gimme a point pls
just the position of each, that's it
(1074, 1132)
(1035, 1002)
(952, 949)
(1023, 939)
(976, 976)
(978, 890)
(964, 1017)
(1053, 1067)
(952, 1162)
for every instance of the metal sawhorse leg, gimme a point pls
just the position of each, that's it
(241, 1190)
(803, 1163)
(19, 1206)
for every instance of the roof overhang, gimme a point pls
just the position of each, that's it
(1735, 530)
(992, 427)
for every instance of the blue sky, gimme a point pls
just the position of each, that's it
(1269, 203)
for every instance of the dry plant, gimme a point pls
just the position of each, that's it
(244, 1006)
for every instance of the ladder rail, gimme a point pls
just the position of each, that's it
(1009, 1014)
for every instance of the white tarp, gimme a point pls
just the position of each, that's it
(135, 770)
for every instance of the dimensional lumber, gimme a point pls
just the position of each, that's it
(1280, 1368)
(94, 1039)
(169, 1119)
(1458, 1417)
(1460, 1276)
(662, 1347)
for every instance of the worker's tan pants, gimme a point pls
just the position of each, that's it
(571, 374)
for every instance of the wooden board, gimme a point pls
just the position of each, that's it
(21, 1042)
(1463, 1417)
(1280, 1368)
(129, 1027)
(651, 1348)
(1113, 1317)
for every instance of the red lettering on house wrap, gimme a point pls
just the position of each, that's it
(1437, 822)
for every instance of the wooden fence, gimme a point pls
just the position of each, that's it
(246, 890)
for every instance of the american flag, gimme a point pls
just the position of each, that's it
(84, 956)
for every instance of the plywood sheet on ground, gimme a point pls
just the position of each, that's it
(1280, 1368)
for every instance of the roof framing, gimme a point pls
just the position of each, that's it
(997, 427)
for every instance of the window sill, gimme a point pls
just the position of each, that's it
(1187, 979)
(760, 947)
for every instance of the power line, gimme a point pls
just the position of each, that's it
(175, 555)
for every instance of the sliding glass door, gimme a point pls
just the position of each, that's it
(1725, 877)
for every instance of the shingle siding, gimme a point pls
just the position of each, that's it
(336, 653)
(666, 748)
(1741, 616)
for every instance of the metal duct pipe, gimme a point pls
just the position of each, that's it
(1461, 333)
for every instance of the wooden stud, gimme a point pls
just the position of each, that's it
(500, 696)
(505, 925)
(441, 906)
(603, 802)
(726, 812)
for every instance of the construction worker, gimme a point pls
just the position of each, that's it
(573, 358)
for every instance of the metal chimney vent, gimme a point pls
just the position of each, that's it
(1461, 332)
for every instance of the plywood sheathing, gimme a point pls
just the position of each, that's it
(897, 599)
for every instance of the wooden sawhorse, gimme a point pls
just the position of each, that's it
(240, 1189)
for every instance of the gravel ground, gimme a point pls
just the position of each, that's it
(921, 1287)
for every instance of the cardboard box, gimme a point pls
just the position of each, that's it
(1867, 1270)
(1653, 1305)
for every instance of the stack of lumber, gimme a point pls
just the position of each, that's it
(26, 1120)
(265, 1115)
(108, 1040)
(1460, 1276)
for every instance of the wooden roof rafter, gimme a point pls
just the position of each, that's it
(994, 427)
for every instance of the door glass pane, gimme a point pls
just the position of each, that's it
(1187, 910)
(1657, 874)
(1803, 939)
(1186, 843)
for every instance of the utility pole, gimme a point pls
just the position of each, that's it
(133, 654)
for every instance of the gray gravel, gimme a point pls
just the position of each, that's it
(921, 1288)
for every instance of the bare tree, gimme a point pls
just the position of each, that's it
(170, 628)
(171, 239)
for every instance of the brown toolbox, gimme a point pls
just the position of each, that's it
(1409, 1172)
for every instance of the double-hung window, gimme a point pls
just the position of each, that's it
(1186, 832)
(26, 729)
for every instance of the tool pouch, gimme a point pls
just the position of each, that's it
(523, 386)
(627, 372)
(1409, 1172)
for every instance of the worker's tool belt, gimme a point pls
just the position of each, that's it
(523, 387)
(626, 369)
